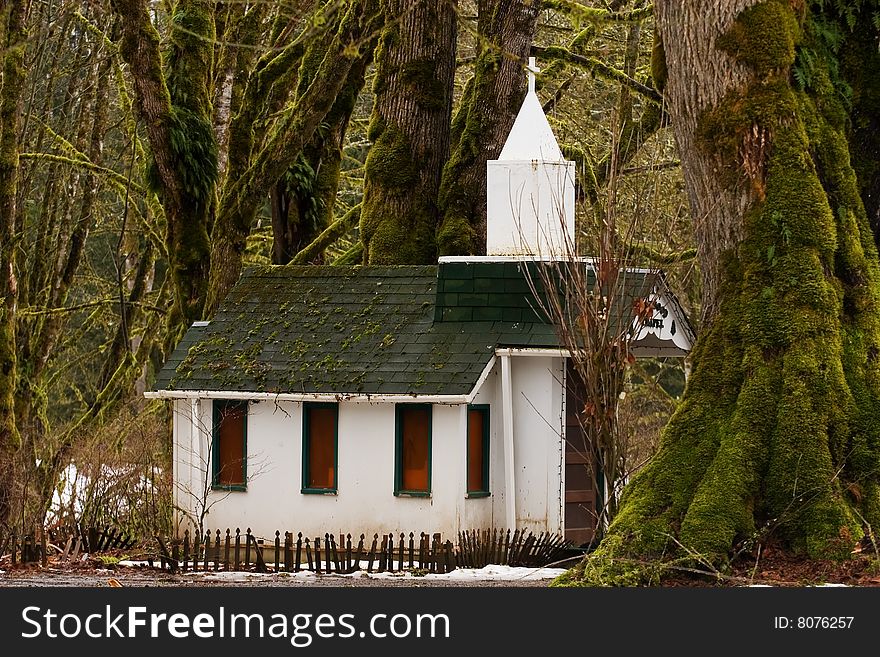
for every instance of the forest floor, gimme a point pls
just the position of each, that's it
(772, 567)
(776, 567)
(95, 572)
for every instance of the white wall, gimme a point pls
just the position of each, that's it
(531, 205)
(365, 500)
(538, 426)
(538, 448)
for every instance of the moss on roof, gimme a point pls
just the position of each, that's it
(424, 330)
(325, 329)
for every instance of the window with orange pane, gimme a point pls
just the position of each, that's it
(319, 447)
(229, 445)
(478, 451)
(412, 471)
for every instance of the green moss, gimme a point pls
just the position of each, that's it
(777, 430)
(460, 201)
(391, 235)
(763, 36)
(456, 235)
(420, 76)
(390, 161)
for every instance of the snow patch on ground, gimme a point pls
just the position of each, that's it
(505, 573)
(492, 572)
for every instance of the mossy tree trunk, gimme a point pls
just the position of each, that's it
(13, 38)
(777, 432)
(409, 132)
(484, 119)
(302, 201)
(256, 163)
(173, 99)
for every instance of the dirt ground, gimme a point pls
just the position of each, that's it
(775, 567)
(93, 573)
(772, 566)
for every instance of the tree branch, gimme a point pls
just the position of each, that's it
(115, 177)
(599, 68)
(596, 15)
(330, 234)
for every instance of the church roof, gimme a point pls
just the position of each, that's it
(415, 330)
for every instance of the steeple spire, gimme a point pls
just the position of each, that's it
(530, 137)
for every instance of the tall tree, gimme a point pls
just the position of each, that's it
(777, 430)
(208, 220)
(506, 30)
(249, 179)
(172, 98)
(13, 38)
(409, 131)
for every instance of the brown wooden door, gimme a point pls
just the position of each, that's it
(580, 475)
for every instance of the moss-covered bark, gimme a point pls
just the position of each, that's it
(303, 200)
(777, 430)
(409, 132)
(173, 98)
(483, 120)
(13, 40)
(255, 165)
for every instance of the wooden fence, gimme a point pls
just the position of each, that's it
(345, 554)
(34, 547)
(213, 551)
(477, 549)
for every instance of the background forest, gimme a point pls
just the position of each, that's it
(150, 150)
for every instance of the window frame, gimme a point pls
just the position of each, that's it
(219, 406)
(399, 409)
(485, 409)
(305, 489)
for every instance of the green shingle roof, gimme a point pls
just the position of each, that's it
(355, 330)
(416, 330)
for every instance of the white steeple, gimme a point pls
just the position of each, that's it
(530, 187)
(530, 137)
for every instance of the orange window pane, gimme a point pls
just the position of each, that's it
(475, 465)
(230, 451)
(322, 439)
(414, 449)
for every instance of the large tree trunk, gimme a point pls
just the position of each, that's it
(777, 431)
(483, 121)
(174, 101)
(246, 189)
(409, 131)
(13, 39)
(699, 76)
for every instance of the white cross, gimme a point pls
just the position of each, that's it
(532, 69)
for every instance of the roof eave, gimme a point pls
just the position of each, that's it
(306, 396)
